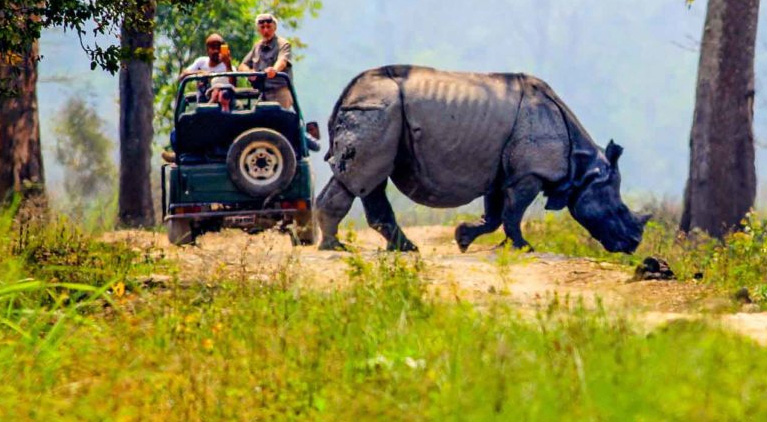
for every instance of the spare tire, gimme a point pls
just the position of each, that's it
(261, 162)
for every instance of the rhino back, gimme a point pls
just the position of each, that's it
(456, 126)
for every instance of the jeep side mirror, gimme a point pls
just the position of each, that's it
(313, 128)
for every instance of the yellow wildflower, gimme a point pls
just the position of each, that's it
(119, 289)
(207, 344)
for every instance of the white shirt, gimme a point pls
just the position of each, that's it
(203, 63)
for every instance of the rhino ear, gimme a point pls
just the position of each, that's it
(613, 152)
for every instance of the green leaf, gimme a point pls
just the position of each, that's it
(23, 286)
(15, 327)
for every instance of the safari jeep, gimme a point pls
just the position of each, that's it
(247, 168)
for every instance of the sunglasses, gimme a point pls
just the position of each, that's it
(261, 22)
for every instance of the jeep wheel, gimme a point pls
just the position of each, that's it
(261, 162)
(180, 232)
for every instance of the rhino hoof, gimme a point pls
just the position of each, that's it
(409, 247)
(460, 237)
(332, 245)
(526, 247)
(404, 246)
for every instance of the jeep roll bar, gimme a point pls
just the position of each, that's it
(260, 82)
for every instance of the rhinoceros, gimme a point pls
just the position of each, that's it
(447, 138)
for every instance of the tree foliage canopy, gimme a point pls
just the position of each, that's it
(21, 22)
(181, 32)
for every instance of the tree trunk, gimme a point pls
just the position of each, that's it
(722, 184)
(136, 132)
(21, 163)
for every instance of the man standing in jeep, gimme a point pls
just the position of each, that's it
(272, 54)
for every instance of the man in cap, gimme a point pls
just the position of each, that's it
(272, 54)
(214, 62)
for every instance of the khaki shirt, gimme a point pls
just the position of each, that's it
(264, 55)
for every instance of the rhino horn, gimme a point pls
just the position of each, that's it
(643, 219)
(613, 152)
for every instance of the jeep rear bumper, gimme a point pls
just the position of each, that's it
(278, 214)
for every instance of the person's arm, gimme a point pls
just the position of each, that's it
(227, 60)
(312, 144)
(191, 70)
(245, 64)
(284, 58)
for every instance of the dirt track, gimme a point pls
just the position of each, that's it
(527, 280)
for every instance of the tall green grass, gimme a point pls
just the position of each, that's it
(52, 270)
(380, 349)
(82, 340)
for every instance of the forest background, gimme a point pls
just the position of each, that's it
(628, 71)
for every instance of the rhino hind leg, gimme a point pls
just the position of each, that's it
(380, 217)
(333, 203)
(466, 233)
(517, 198)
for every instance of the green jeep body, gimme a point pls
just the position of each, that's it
(199, 191)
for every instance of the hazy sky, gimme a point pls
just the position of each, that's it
(626, 68)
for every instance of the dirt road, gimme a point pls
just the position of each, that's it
(482, 274)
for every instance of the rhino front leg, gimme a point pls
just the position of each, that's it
(333, 204)
(518, 197)
(465, 233)
(380, 216)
